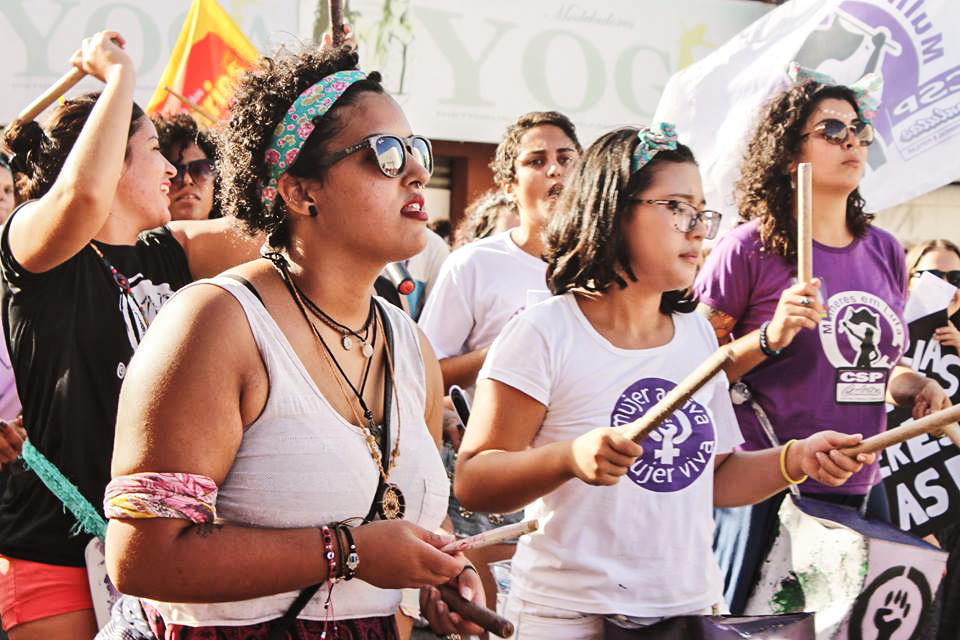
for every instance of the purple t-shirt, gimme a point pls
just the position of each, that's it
(831, 378)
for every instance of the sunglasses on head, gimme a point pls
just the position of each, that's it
(391, 153)
(200, 171)
(836, 131)
(953, 277)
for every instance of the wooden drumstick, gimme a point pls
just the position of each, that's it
(48, 97)
(804, 222)
(336, 22)
(942, 420)
(721, 360)
(489, 620)
(191, 105)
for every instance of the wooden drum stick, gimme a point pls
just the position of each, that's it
(721, 360)
(940, 421)
(48, 97)
(336, 22)
(191, 105)
(489, 620)
(804, 222)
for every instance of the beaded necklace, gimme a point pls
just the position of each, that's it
(129, 307)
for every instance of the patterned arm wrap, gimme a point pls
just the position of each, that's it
(187, 496)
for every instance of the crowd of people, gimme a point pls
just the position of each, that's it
(275, 450)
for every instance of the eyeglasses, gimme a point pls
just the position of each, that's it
(391, 153)
(686, 216)
(953, 277)
(835, 131)
(200, 171)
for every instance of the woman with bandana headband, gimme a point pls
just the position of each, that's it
(86, 260)
(283, 476)
(620, 331)
(838, 362)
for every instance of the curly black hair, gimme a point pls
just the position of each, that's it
(504, 161)
(39, 152)
(585, 244)
(177, 132)
(764, 189)
(260, 102)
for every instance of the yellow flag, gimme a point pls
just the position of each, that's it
(210, 54)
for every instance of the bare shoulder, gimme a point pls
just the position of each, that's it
(213, 246)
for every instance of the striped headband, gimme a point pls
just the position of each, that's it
(297, 125)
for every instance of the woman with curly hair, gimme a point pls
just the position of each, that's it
(839, 376)
(86, 262)
(309, 497)
(625, 529)
(193, 153)
(493, 212)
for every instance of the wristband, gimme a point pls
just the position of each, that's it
(783, 464)
(328, 552)
(352, 561)
(765, 344)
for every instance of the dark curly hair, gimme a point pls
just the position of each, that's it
(39, 152)
(260, 101)
(503, 164)
(585, 245)
(764, 190)
(177, 132)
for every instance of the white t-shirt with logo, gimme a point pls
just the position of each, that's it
(641, 547)
(480, 287)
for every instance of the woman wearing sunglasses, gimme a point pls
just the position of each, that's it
(192, 152)
(846, 326)
(86, 261)
(940, 258)
(283, 474)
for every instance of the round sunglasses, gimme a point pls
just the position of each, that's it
(686, 216)
(200, 171)
(390, 151)
(836, 131)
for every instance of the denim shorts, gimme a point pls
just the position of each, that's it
(469, 523)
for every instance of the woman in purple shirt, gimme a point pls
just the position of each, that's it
(839, 374)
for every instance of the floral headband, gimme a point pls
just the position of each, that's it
(297, 125)
(652, 142)
(867, 90)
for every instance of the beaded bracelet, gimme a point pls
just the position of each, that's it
(765, 344)
(328, 552)
(783, 464)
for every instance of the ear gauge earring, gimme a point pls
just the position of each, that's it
(313, 211)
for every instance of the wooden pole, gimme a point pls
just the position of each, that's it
(336, 22)
(942, 420)
(721, 360)
(191, 104)
(489, 620)
(804, 222)
(48, 97)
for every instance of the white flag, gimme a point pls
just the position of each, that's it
(914, 44)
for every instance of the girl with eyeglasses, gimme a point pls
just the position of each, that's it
(86, 261)
(626, 528)
(283, 476)
(850, 318)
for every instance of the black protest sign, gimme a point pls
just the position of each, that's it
(922, 475)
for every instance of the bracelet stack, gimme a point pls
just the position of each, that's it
(346, 550)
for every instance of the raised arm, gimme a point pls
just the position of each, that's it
(56, 227)
(213, 246)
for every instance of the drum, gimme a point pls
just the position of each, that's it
(865, 579)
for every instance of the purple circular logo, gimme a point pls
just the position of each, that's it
(677, 453)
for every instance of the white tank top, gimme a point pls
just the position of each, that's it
(300, 464)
